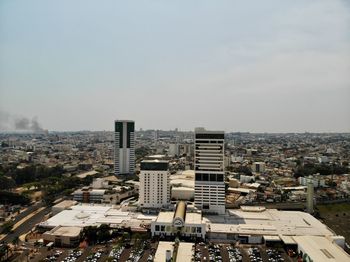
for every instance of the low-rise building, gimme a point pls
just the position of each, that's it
(172, 223)
(320, 249)
(63, 236)
(258, 167)
(164, 251)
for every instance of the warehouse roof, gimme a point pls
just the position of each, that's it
(268, 222)
(321, 249)
(193, 218)
(163, 246)
(165, 217)
(184, 252)
(93, 215)
(65, 231)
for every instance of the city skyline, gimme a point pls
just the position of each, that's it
(262, 67)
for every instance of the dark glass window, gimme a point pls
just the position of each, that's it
(119, 128)
(154, 165)
(205, 206)
(210, 136)
(198, 177)
(220, 177)
(212, 177)
(157, 228)
(130, 128)
(205, 177)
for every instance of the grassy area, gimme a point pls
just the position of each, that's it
(334, 208)
(336, 217)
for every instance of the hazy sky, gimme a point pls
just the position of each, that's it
(258, 66)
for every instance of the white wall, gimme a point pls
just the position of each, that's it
(154, 189)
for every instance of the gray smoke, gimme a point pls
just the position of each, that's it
(26, 124)
(9, 122)
(22, 124)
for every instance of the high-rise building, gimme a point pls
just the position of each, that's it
(154, 189)
(124, 147)
(173, 149)
(209, 171)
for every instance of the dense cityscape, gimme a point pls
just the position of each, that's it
(154, 195)
(174, 131)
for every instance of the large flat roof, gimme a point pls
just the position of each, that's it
(165, 217)
(94, 215)
(184, 252)
(268, 222)
(321, 249)
(163, 246)
(193, 218)
(65, 231)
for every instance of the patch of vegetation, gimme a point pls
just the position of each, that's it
(13, 198)
(334, 208)
(336, 217)
(322, 169)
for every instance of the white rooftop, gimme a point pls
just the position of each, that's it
(321, 249)
(163, 246)
(165, 217)
(93, 215)
(268, 222)
(65, 231)
(193, 218)
(184, 252)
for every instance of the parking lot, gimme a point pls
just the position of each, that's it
(125, 252)
(238, 253)
(144, 250)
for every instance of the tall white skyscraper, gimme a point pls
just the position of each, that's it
(154, 184)
(124, 147)
(209, 171)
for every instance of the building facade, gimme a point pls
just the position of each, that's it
(258, 167)
(209, 171)
(178, 223)
(63, 236)
(124, 147)
(154, 189)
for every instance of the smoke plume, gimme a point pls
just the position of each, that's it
(27, 124)
(9, 122)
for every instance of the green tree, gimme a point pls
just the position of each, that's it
(7, 197)
(6, 183)
(7, 228)
(90, 233)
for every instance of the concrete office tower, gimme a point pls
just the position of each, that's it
(209, 171)
(154, 189)
(124, 147)
(173, 149)
(310, 197)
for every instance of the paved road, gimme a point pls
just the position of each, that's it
(27, 225)
(26, 212)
